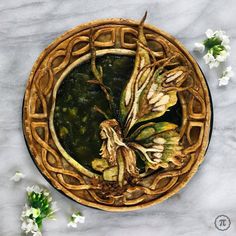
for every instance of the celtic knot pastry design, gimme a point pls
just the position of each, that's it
(184, 82)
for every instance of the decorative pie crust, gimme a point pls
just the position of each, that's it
(116, 36)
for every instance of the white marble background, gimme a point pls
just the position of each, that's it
(27, 27)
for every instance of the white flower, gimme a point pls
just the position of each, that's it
(219, 34)
(229, 72)
(208, 58)
(46, 193)
(17, 176)
(214, 64)
(72, 224)
(209, 33)
(223, 55)
(29, 225)
(78, 218)
(34, 188)
(211, 60)
(30, 211)
(226, 76)
(224, 80)
(41, 198)
(26, 212)
(199, 47)
(223, 37)
(225, 40)
(35, 212)
(75, 219)
(218, 49)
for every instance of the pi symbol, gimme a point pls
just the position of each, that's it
(222, 222)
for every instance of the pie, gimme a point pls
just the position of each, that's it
(117, 114)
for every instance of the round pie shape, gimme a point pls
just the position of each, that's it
(112, 36)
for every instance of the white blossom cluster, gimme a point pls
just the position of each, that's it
(217, 49)
(39, 207)
(29, 225)
(75, 219)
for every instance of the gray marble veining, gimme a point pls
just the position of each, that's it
(27, 27)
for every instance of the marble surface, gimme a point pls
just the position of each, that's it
(27, 27)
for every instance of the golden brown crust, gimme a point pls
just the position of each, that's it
(117, 35)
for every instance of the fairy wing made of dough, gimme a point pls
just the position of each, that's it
(158, 144)
(152, 88)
